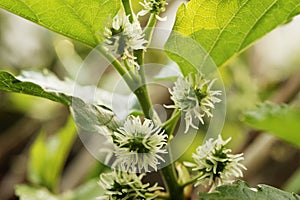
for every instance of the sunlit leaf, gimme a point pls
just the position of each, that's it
(89, 116)
(82, 20)
(224, 28)
(241, 191)
(280, 120)
(48, 156)
(88, 93)
(9, 83)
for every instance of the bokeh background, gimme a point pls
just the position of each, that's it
(269, 70)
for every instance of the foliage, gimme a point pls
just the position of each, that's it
(206, 35)
(48, 156)
(81, 20)
(87, 191)
(10, 83)
(242, 191)
(87, 116)
(26, 192)
(223, 29)
(275, 119)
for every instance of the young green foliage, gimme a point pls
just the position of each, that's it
(26, 192)
(241, 191)
(48, 156)
(82, 20)
(225, 28)
(213, 30)
(9, 83)
(87, 191)
(280, 120)
(88, 116)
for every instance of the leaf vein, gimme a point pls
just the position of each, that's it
(29, 7)
(222, 31)
(91, 29)
(256, 22)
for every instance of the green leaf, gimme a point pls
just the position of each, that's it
(91, 117)
(241, 191)
(88, 191)
(82, 20)
(88, 116)
(224, 28)
(48, 156)
(26, 192)
(280, 120)
(9, 83)
(179, 48)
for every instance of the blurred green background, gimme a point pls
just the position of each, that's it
(269, 70)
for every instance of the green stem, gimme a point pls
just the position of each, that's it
(169, 173)
(140, 54)
(117, 65)
(193, 180)
(141, 92)
(170, 179)
(150, 27)
(128, 9)
(144, 100)
(170, 125)
(122, 71)
(135, 79)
